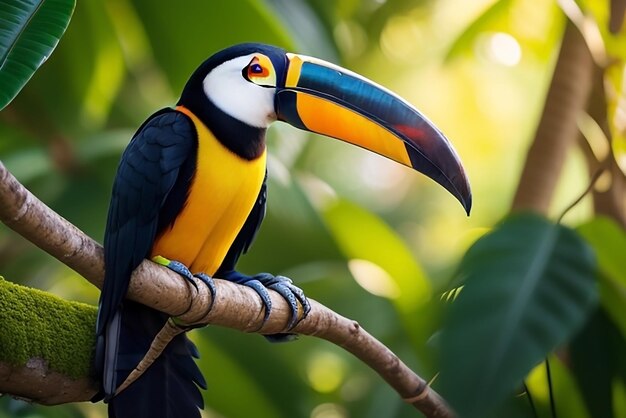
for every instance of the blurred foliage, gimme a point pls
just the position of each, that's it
(601, 340)
(368, 238)
(29, 32)
(528, 285)
(608, 239)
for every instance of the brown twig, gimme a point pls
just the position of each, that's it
(235, 306)
(609, 200)
(592, 182)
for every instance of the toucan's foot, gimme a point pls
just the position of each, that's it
(176, 267)
(290, 292)
(283, 285)
(183, 270)
(208, 281)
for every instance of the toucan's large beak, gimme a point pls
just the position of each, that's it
(321, 97)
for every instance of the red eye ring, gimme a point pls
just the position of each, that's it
(257, 70)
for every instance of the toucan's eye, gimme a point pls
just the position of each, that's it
(256, 70)
(260, 71)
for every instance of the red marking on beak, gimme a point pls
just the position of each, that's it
(410, 132)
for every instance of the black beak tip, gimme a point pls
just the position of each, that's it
(448, 172)
(461, 190)
(463, 194)
(457, 184)
(467, 204)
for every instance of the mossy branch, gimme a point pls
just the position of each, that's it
(46, 346)
(235, 307)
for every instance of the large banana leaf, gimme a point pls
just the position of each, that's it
(29, 32)
(596, 361)
(529, 286)
(609, 241)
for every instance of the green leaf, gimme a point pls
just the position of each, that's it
(381, 263)
(272, 375)
(29, 32)
(596, 355)
(614, 76)
(228, 381)
(529, 285)
(464, 41)
(609, 240)
(183, 37)
(306, 28)
(565, 392)
(363, 236)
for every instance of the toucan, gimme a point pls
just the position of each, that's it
(190, 193)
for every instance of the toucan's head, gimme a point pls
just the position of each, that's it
(240, 90)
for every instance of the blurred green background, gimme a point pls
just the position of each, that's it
(372, 240)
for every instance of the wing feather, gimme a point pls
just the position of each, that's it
(162, 151)
(150, 189)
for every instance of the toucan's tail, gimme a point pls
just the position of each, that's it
(168, 388)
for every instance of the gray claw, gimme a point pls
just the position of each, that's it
(285, 287)
(286, 292)
(208, 281)
(264, 294)
(299, 294)
(180, 268)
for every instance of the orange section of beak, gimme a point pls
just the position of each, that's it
(330, 119)
(321, 97)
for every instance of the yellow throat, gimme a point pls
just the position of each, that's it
(223, 191)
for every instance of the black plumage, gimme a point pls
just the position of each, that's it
(149, 191)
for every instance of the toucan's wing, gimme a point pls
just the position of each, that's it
(255, 218)
(248, 231)
(149, 190)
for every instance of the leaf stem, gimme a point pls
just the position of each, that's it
(592, 182)
(550, 391)
(530, 400)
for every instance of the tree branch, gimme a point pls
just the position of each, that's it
(35, 382)
(46, 345)
(558, 130)
(235, 306)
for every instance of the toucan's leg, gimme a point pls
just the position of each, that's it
(208, 281)
(283, 285)
(183, 270)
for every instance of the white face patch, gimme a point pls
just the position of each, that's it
(250, 103)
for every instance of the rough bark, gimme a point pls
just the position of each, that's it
(35, 382)
(235, 306)
(558, 130)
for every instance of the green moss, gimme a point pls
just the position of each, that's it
(37, 324)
